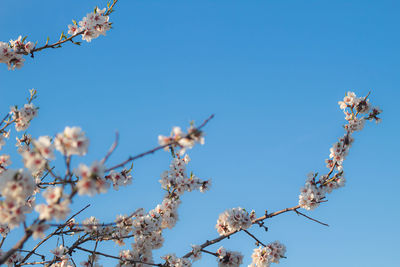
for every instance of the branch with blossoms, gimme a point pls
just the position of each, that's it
(18, 186)
(90, 27)
(144, 230)
(357, 111)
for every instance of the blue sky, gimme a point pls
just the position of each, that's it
(271, 71)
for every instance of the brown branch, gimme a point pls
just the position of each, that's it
(255, 238)
(112, 148)
(6, 125)
(34, 263)
(5, 118)
(19, 245)
(69, 39)
(209, 252)
(117, 258)
(227, 235)
(2, 241)
(302, 214)
(55, 232)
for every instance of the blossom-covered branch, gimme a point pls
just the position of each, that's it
(90, 27)
(18, 188)
(357, 111)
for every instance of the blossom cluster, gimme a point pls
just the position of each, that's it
(91, 26)
(18, 189)
(234, 220)
(353, 107)
(176, 181)
(264, 256)
(228, 258)
(173, 261)
(93, 180)
(12, 53)
(55, 207)
(16, 186)
(72, 142)
(145, 227)
(182, 140)
(148, 227)
(23, 116)
(36, 158)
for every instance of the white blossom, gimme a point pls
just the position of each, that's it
(118, 179)
(228, 258)
(92, 180)
(91, 26)
(264, 256)
(45, 147)
(23, 116)
(174, 261)
(233, 220)
(72, 142)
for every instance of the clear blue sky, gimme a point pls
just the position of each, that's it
(271, 71)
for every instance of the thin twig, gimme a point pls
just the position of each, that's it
(209, 252)
(302, 214)
(112, 148)
(255, 238)
(52, 234)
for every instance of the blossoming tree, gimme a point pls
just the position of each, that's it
(142, 229)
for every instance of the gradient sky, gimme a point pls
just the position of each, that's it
(271, 71)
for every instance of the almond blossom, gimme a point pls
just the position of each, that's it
(353, 107)
(173, 261)
(181, 140)
(15, 186)
(91, 26)
(233, 220)
(264, 256)
(228, 258)
(72, 142)
(118, 179)
(92, 180)
(56, 207)
(23, 116)
(45, 147)
(11, 53)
